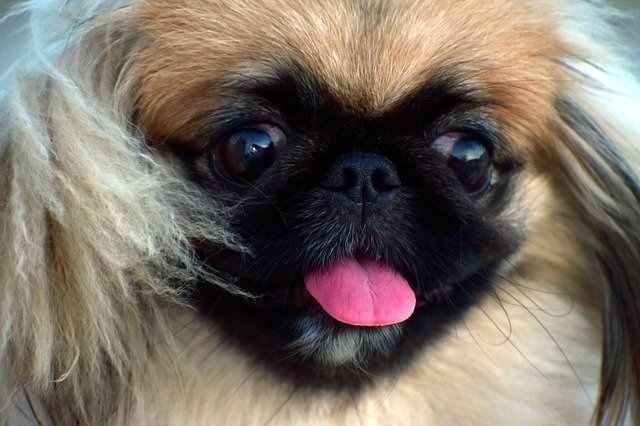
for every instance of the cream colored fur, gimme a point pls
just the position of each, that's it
(93, 226)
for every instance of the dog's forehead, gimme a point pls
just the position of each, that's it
(370, 54)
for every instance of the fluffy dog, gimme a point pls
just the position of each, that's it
(320, 212)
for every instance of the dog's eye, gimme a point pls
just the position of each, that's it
(468, 157)
(248, 152)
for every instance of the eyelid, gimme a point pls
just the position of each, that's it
(445, 140)
(226, 130)
(478, 123)
(234, 112)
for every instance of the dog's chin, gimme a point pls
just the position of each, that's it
(299, 341)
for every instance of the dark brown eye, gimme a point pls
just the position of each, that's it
(248, 152)
(468, 157)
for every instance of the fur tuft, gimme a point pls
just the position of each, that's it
(93, 223)
(97, 224)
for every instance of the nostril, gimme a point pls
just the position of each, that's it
(384, 181)
(344, 179)
(350, 179)
(362, 177)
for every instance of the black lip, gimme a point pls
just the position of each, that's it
(294, 295)
(265, 328)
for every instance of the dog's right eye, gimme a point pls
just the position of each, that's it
(247, 152)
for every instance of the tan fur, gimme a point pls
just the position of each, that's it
(368, 65)
(92, 224)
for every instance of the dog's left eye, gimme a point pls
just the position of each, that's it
(468, 157)
(248, 152)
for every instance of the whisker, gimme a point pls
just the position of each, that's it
(356, 408)
(473, 337)
(506, 313)
(244, 381)
(509, 340)
(536, 304)
(281, 407)
(516, 270)
(557, 344)
(31, 407)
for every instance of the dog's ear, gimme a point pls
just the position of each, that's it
(597, 162)
(93, 223)
(75, 221)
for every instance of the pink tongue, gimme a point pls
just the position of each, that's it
(363, 293)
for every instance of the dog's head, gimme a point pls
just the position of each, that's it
(352, 175)
(376, 178)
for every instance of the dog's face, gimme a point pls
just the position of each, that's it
(368, 153)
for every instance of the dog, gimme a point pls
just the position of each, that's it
(320, 212)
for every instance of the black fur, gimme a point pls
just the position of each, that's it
(435, 234)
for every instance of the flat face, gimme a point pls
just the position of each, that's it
(366, 154)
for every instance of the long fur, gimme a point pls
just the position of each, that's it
(95, 232)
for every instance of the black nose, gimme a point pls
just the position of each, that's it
(363, 177)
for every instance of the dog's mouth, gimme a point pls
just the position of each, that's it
(355, 290)
(356, 309)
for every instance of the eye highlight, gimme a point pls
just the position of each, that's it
(248, 152)
(469, 158)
